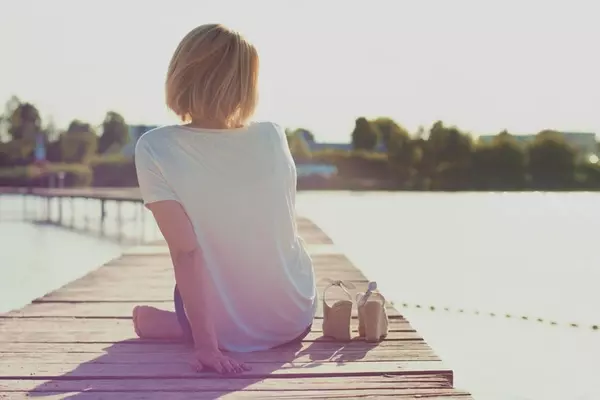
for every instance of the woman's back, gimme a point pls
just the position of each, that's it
(238, 188)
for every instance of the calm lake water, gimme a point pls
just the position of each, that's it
(514, 271)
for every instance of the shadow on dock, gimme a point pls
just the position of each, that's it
(138, 366)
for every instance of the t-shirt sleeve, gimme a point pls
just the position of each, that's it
(153, 185)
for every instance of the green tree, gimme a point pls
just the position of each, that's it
(449, 144)
(364, 135)
(552, 161)
(79, 143)
(21, 123)
(422, 169)
(52, 134)
(447, 157)
(16, 152)
(299, 147)
(500, 165)
(4, 137)
(403, 155)
(25, 122)
(587, 175)
(387, 128)
(4, 155)
(9, 108)
(309, 136)
(115, 133)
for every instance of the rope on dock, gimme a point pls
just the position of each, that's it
(594, 327)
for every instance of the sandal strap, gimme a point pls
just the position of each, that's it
(344, 285)
(361, 298)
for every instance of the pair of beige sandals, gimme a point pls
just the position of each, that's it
(372, 317)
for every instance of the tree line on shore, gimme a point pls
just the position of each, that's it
(382, 153)
(445, 158)
(87, 154)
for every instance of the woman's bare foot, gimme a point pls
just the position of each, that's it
(153, 323)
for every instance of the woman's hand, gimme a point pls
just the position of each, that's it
(213, 359)
(191, 277)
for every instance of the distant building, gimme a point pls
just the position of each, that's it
(324, 170)
(584, 142)
(307, 169)
(135, 132)
(321, 146)
(519, 138)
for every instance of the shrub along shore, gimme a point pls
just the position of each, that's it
(382, 155)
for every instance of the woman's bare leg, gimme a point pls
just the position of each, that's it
(152, 323)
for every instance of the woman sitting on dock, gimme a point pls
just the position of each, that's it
(222, 191)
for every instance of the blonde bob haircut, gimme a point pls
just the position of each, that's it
(213, 76)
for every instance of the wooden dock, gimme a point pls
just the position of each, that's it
(78, 343)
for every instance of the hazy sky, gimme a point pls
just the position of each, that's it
(523, 65)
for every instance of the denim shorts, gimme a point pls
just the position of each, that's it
(188, 337)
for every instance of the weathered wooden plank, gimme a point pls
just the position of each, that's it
(136, 347)
(305, 227)
(160, 287)
(82, 310)
(422, 382)
(335, 394)
(325, 351)
(156, 285)
(146, 250)
(162, 273)
(156, 289)
(123, 326)
(163, 249)
(111, 337)
(321, 261)
(313, 237)
(113, 285)
(279, 355)
(160, 293)
(118, 309)
(316, 249)
(42, 353)
(183, 369)
(437, 394)
(26, 330)
(163, 270)
(325, 260)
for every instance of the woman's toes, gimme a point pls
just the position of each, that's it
(135, 317)
(152, 323)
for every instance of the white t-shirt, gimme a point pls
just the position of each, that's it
(238, 187)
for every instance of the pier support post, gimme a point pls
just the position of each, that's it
(102, 215)
(25, 207)
(119, 219)
(72, 212)
(86, 216)
(60, 210)
(48, 209)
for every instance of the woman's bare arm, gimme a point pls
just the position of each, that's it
(191, 277)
